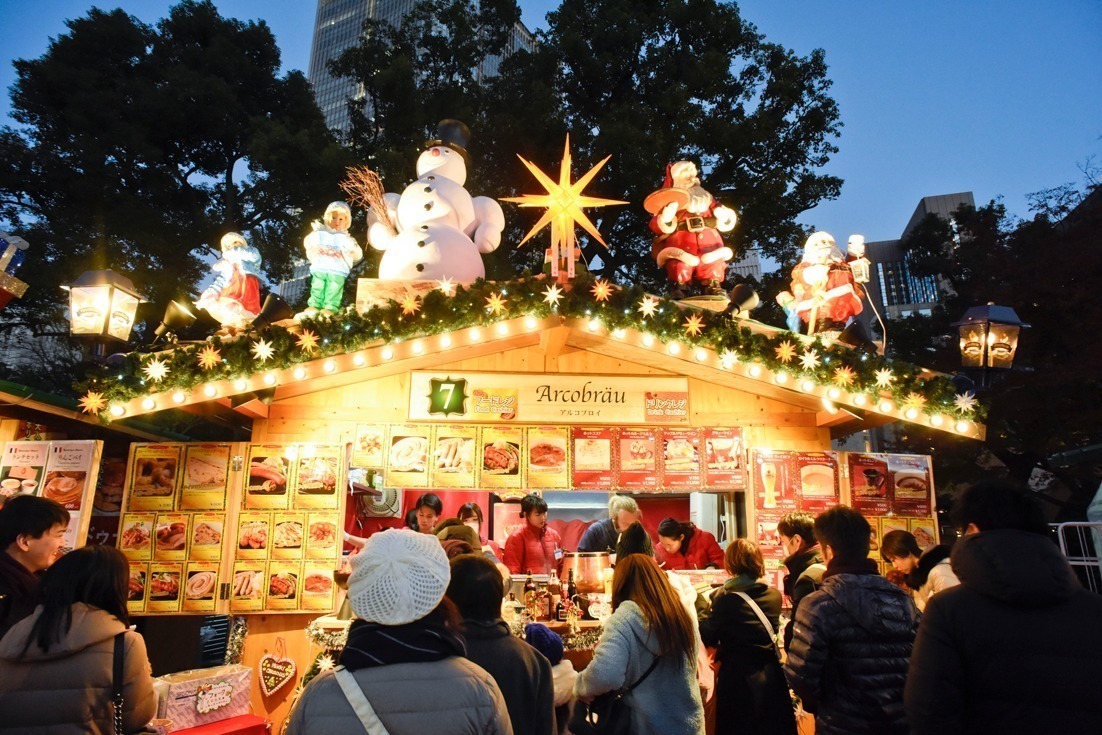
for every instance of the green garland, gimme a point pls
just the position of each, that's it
(350, 331)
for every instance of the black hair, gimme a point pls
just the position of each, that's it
(926, 563)
(95, 575)
(899, 544)
(476, 587)
(998, 504)
(432, 500)
(29, 515)
(845, 531)
(468, 510)
(411, 519)
(798, 523)
(672, 528)
(532, 502)
(634, 540)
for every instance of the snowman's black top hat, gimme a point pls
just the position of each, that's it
(452, 134)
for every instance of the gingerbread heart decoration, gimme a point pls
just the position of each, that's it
(275, 673)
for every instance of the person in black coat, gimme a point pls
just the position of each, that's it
(751, 693)
(853, 636)
(1017, 646)
(804, 561)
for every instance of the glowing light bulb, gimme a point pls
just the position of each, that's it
(329, 366)
(149, 404)
(417, 348)
(860, 399)
(594, 325)
(620, 333)
(673, 348)
(179, 396)
(530, 323)
(387, 353)
(240, 384)
(780, 378)
(701, 355)
(117, 410)
(885, 406)
(475, 335)
(502, 328)
(210, 391)
(300, 373)
(270, 379)
(445, 341)
(937, 420)
(648, 341)
(807, 386)
(911, 414)
(359, 360)
(755, 371)
(834, 394)
(963, 427)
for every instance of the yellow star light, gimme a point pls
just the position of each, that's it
(844, 376)
(564, 202)
(446, 287)
(156, 370)
(810, 359)
(785, 351)
(552, 295)
(93, 402)
(693, 325)
(884, 377)
(495, 304)
(648, 306)
(209, 357)
(411, 304)
(307, 341)
(601, 290)
(262, 350)
(915, 400)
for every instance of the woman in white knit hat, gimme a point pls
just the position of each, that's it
(403, 670)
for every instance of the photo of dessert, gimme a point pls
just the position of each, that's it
(64, 487)
(681, 456)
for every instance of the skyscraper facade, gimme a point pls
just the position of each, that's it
(338, 26)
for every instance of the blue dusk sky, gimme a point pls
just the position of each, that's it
(998, 98)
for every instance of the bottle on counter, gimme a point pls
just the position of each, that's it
(554, 587)
(530, 594)
(543, 601)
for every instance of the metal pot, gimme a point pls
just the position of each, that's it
(588, 566)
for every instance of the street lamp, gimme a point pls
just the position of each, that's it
(989, 338)
(102, 305)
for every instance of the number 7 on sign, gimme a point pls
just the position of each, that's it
(447, 396)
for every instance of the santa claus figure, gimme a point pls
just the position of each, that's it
(688, 222)
(824, 295)
(234, 296)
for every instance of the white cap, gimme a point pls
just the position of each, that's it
(398, 577)
(232, 238)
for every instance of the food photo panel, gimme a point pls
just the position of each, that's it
(268, 481)
(323, 536)
(288, 530)
(201, 587)
(408, 456)
(548, 457)
(207, 531)
(205, 477)
(594, 467)
(319, 472)
(136, 535)
(681, 466)
(503, 457)
(455, 457)
(153, 476)
(247, 587)
(170, 537)
(640, 464)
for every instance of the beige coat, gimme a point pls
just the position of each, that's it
(68, 688)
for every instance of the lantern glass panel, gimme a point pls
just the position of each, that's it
(972, 343)
(1002, 343)
(88, 308)
(124, 307)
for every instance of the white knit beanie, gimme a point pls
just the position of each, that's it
(399, 576)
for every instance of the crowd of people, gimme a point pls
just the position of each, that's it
(992, 634)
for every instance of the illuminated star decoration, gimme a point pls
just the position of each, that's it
(728, 359)
(915, 400)
(411, 304)
(810, 359)
(601, 290)
(648, 306)
(446, 287)
(307, 341)
(325, 662)
(844, 376)
(262, 350)
(564, 202)
(156, 370)
(495, 304)
(209, 357)
(785, 351)
(884, 377)
(965, 402)
(92, 402)
(552, 295)
(693, 325)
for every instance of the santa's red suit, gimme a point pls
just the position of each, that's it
(696, 234)
(842, 296)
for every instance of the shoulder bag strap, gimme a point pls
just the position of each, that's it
(761, 616)
(646, 673)
(117, 682)
(358, 700)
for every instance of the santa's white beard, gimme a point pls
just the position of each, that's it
(699, 199)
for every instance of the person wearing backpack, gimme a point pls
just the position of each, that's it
(751, 693)
(802, 559)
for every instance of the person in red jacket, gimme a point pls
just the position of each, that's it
(684, 546)
(535, 547)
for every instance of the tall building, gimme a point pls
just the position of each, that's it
(338, 26)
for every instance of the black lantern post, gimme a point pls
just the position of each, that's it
(102, 306)
(989, 339)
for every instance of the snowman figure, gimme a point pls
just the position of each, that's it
(442, 231)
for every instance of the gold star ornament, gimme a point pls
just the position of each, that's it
(786, 351)
(93, 402)
(307, 342)
(411, 304)
(495, 303)
(601, 290)
(884, 377)
(810, 360)
(564, 202)
(693, 325)
(209, 357)
(844, 376)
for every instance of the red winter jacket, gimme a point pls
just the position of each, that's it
(529, 549)
(702, 551)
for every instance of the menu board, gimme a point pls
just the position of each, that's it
(137, 587)
(681, 459)
(773, 484)
(207, 533)
(22, 466)
(548, 457)
(318, 473)
(912, 483)
(136, 535)
(201, 587)
(164, 587)
(153, 476)
(640, 466)
(170, 536)
(503, 457)
(453, 457)
(593, 458)
(368, 448)
(724, 463)
(407, 456)
(869, 483)
(270, 470)
(205, 477)
(816, 478)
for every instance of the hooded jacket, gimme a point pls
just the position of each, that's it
(1015, 648)
(67, 689)
(798, 585)
(850, 649)
(668, 700)
(522, 673)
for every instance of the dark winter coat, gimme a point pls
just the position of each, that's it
(522, 673)
(751, 693)
(850, 648)
(1015, 648)
(798, 585)
(17, 589)
(600, 536)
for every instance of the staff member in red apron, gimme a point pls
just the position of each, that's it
(684, 546)
(535, 547)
